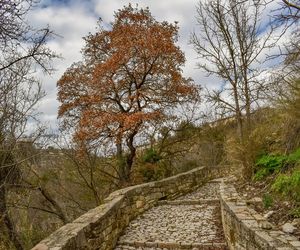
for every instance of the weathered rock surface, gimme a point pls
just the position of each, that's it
(288, 228)
(269, 214)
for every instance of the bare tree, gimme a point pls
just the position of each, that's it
(286, 76)
(19, 92)
(289, 11)
(230, 44)
(285, 84)
(23, 50)
(18, 40)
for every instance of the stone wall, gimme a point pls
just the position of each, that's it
(245, 229)
(100, 227)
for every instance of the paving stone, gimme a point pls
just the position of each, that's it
(178, 225)
(208, 191)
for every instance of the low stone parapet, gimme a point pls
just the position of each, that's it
(245, 229)
(101, 227)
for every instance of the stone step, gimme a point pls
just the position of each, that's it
(189, 202)
(192, 221)
(170, 245)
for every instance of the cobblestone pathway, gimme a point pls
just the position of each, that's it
(192, 221)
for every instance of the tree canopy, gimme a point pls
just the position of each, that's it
(130, 76)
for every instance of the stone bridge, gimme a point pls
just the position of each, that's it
(193, 210)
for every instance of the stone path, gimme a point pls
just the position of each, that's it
(192, 221)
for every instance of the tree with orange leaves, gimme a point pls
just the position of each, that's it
(130, 77)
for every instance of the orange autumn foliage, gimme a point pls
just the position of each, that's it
(130, 75)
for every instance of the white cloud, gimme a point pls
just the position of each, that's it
(74, 19)
(70, 23)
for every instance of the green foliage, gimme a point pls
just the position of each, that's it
(152, 166)
(152, 172)
(288, 185)
(261, 173)
(295, 212)
(271, 161)
(281, 184)
(267, 201)
(269, 164)
(151, 156)
(294, 157)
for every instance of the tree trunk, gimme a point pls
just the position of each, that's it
(247, 103)
(131, 155)
(58, 210)
(129, 162)
(238, 115)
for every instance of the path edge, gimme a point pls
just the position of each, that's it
(245, 229)
(101, 227)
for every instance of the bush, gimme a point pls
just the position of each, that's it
(281, 184)
(289, 107)
(288, 185)
(261, 139)
(151, 156)
(294, 157)
(267, 201)
(295, 212)
(269, 164)
(261, 174)
(152, 172)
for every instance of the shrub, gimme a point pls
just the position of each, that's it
(152, 172)
(151, 156)
(261, 174)
(281, 184)
(294, 157)
(244, 155)
(267, 201)
(296, 212)
(288, 185)
(269, 164)
(151, 166)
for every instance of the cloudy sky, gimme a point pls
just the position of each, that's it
(74, 19)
